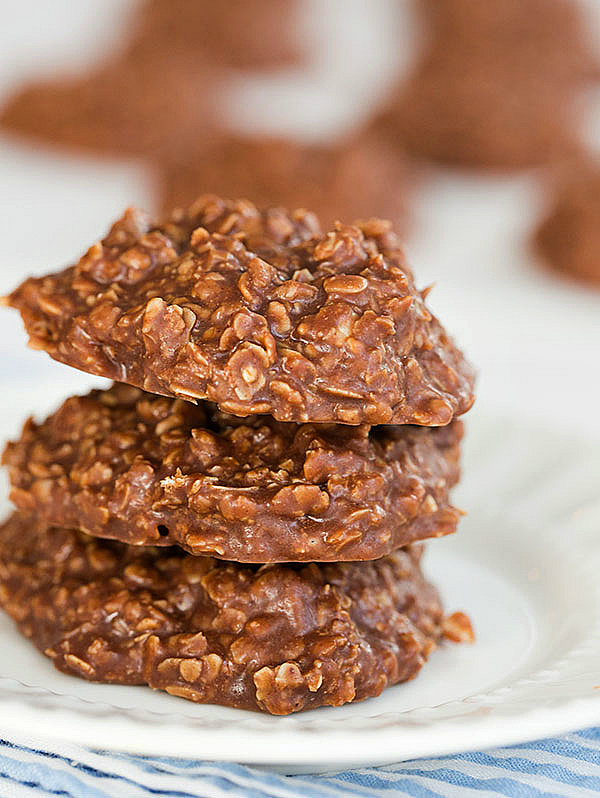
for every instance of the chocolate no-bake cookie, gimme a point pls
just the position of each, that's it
(568, 239)
(257, 311)
(159, 95)
(529, 30)
(275, 638)
(142, 102)
(496, 85)
(242, 34)
(361, 176)
(146, 469)
(134, 106)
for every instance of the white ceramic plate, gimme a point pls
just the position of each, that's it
(525, 565)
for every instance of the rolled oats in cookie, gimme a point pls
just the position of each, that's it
(258, 311)
(147, 469)
(274, 638)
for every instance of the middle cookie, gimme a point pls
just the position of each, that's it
(146, 469)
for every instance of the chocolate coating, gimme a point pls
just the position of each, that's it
(568, 239)
(357, 178)
(275, 638)
(150, 470)
(257, 311)
(496, 84)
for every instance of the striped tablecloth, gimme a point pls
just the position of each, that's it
(567, 766)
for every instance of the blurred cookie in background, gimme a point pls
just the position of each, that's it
(568, 238)
(360, 176)
(524, 31)
(139, 104)
(497, 83)
(242, 34)
(160, 93)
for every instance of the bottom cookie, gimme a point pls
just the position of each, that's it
(275, 638)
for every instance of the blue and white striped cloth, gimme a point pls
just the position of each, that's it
(567, 766)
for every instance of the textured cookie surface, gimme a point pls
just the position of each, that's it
(257, 311)
(146, 469)
(278, 638)
(569, 237)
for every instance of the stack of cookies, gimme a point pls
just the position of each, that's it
(237, 519)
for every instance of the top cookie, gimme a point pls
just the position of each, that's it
(258, 311)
